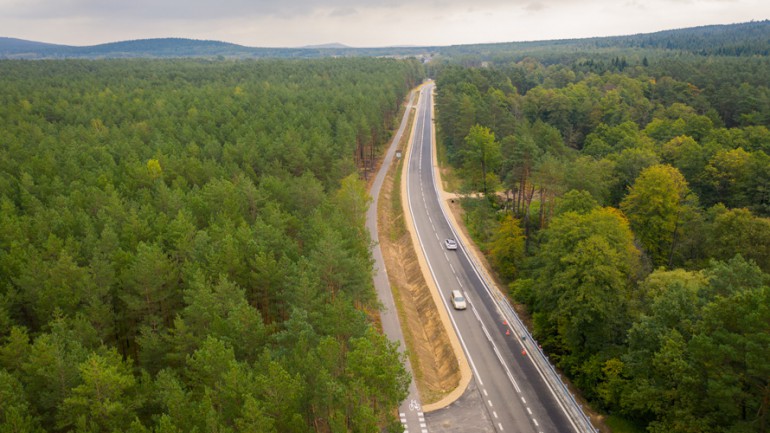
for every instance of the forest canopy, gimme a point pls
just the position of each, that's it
(627, 205)
(182, 245)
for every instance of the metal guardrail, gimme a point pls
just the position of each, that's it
(547, 371)
(559, 389)
(570, 405)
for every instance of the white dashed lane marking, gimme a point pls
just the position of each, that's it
(423, 425)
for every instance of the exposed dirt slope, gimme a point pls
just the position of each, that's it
(433, 360)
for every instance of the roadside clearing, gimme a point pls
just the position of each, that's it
(439, 365)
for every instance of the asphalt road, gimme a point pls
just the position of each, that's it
(514, 395)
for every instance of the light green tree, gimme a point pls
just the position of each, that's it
(376, 373)
(737, 231)
(724, 173)
(506, 249)
(153, 169)
(581, 284)
(481, 158)
(106, 398)
(656, 205)
(576, 201)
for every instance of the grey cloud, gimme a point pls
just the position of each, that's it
(343, 12)
(180, 9)
(535, 7)
(208, 9)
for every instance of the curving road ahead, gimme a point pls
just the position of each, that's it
(515, 393)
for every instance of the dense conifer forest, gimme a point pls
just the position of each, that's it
(182, 245)
(626, 202)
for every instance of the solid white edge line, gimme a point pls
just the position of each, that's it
(488, 290)
(422, 246)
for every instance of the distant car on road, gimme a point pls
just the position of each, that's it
(458, 300)
(450, 244)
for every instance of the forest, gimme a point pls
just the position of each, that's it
(735, 40)
(623, 196)
(182, 245)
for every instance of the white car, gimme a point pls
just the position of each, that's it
(450, 244)
(458, 300)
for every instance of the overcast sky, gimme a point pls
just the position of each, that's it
(359, 23)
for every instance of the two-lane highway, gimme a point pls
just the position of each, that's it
(516, 396)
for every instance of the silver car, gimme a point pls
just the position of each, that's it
(458, 300)
(450, 244)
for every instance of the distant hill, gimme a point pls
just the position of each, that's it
(11, 48)
(164, 47)
(167, 47)
(20, 48)
(744, 39)
(332, 45)
(752, 38)
(21, 45)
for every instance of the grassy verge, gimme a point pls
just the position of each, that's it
(397, 228)
(449, 179)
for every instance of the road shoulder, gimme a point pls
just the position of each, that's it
(465, 370)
